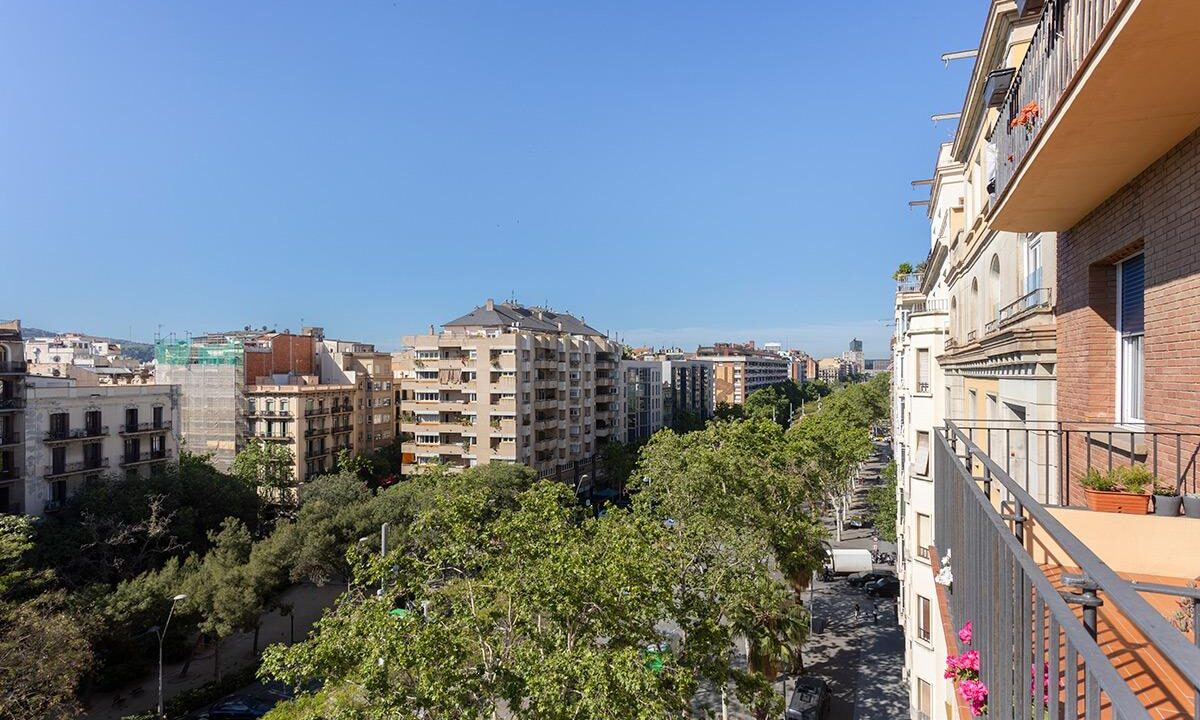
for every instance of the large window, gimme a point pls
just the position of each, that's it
(924, 700)
(924, 536)
(924, 618)
(1033, 263)
(1131, 313)
(922, 370)
(921, 463)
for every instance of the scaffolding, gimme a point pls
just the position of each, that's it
(211, 380)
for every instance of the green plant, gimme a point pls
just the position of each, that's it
(1095, 480)
(1133, 479)
(1166, 490)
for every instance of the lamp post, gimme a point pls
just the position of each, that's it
(161, 635)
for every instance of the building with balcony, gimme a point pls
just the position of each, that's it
(377, 402)
(740, 369)
(510, 383)
(12, 418)
(689, 392)
(1090, 114)
(314, 420)
(76, 434)
(642, 397)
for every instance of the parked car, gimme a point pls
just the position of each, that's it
(238, 707)
(859, 523)
(884, 587)
(810, 700)
(862, 578)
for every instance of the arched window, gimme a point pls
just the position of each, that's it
(994, 287)
(976, 308)
(954, 326)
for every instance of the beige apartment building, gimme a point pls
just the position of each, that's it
(376, 410)
(740, 369)
(514, 384)
(315, 421)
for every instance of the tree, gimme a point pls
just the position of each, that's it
(268, 466)
(882, 499)
(357, 465)
(43, 655)
(831, 446)
(905, 268)
(223, 590)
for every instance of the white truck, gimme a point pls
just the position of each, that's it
(845, 561)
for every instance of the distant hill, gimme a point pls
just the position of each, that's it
(141, 351)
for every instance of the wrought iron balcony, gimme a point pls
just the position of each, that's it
(1017, 572)
(13, 367)
(12, 437)
(74, 468)
(129, 459)
(909, 283)
(83, 433)
(146, 427)
(1014, 311)
(12, 403)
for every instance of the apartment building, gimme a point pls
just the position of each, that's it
(1090, 116)
(377, 414)
(510, 383)
(922, 319)
(228, 380)
(314, 420)
(740, 369)
(12, 418)
(78, 434)
(642, 391)
(689, 392)
(854, 357)
(834, 370)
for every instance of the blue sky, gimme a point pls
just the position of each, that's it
(676, 172)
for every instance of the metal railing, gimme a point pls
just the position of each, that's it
(910, 282)
(1047, 459)
(12, 403)
(76, 433)
(13, 366)
(12, 437)
(1024, 626)
(1013, 311)
(131, 428)
(143, 457)
(76, 467)
(1064, 38)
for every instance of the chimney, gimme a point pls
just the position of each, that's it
(490, 305)
(431, 329)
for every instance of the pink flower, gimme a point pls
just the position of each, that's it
(976, 695)
(970, 660)
(966, 633)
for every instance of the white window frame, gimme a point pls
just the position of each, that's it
(1034, 263)
(1124, 346)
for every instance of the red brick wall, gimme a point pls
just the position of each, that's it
(1158, 212)
(292, 354)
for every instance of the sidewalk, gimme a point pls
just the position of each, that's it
(236, 653)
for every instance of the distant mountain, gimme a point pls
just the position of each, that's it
(141, 351)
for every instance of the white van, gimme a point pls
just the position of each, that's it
(844, 561)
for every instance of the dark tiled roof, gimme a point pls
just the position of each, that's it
(534, 319)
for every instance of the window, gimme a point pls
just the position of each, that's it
(922, 370)
(283, 406)
(994, 287)
(1131, 313)
(924, 700)
(157, 414)
(921, 463)
(924, 618)
(1033, 263)
(924, 536)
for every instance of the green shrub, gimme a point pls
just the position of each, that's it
(1134, 479)
(1095, 480)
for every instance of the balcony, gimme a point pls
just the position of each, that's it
(909, 283)
(13, 367)
(10, 438)
(275, 437)
(1084, 598)
(59, 470)
(10, 472)
(316, 431)
(134, 459)
(15, 403)
(1113, 85)
(145, 428)
(56, 437)
(1039, 299)
(316, 411)
(270, 412)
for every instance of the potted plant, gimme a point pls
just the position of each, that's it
(1120, 491)
(1191, 505)
(1166, 500)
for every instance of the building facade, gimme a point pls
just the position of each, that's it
(510, 383)
(740, 369)
(689, 392)
(314, 420)
(642, 398)
(12, 418)
(75, 435)
(1068, 358)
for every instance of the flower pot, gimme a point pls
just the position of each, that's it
(1117, 502)
(1167, 505)
(1191, 506)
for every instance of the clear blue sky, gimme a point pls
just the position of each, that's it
(677, 172)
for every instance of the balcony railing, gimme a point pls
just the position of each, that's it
(910, 282)
(929, 306)
(76, 467)
(1021, 618)
(1063, 39)
(13, 367)
(145, 457)
(11, 437)
(146, 427)
(12, 403)
(1049, 458)
(75, 433)
(1015, 310)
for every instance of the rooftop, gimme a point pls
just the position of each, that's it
(515, 315)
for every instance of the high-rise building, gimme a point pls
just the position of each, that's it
(689, 392)
(642, 398)
(510, 383)
(740, 369)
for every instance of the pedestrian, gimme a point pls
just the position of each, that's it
(874, 612)
(857, 610)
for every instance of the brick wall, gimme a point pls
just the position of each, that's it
(1158, 212)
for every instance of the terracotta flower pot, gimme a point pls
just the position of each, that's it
(1117, 502)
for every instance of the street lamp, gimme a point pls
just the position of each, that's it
(161, 635)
